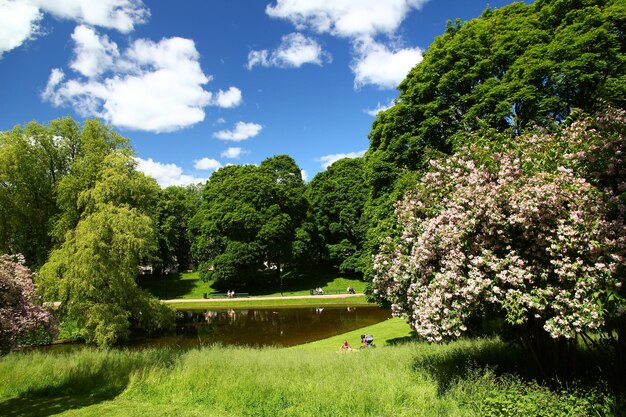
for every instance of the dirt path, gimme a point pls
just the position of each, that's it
(288, 297)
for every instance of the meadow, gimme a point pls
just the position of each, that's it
(400, 377)
(189, 285)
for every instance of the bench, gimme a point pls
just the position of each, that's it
(327, 292)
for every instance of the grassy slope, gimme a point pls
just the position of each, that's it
(188, 285)
(282, 303)
(395, 379)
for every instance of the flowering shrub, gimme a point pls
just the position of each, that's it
(533, 229)
(20, 313)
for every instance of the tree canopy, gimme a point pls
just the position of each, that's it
(250, 220)
(511, 68)
(93, 273)
(337, 197)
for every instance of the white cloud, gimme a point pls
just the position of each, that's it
(232, 153)
(229, 98)
(380, 107)
(377, 64)
(19, 19)
(294, 51)
(166, 174)
(93, 54)
(328, 160)
(242, 131)
(305, 175)
(207, 164)
(19, 22)
(152, 86)
(345, 18)
(361, 22)
(121, 15)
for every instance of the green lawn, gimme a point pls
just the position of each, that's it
(283, 303)
(400, 377)
(188, 285)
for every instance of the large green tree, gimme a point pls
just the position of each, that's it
(43, 168)
(249, 220)
(500, 74)
(511, 68)
(337, 197)
(174, 209)
(93, 273)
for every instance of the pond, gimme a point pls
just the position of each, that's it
(265, 326)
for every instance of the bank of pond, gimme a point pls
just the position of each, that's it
(289, 362)
(401, 378)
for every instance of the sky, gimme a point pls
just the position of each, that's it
(196, 85)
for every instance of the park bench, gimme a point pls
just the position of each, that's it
(327, 292)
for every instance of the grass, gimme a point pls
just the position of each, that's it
(188, 285)
(391, 380)
(400, 377)
(387, 333)
(283, 303)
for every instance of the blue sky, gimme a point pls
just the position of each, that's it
(199, 84)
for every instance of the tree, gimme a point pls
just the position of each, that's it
(43, 169)
(20, 308)
(337, 197)
(93, 273)
(248, 221)
(511, 69)
(174, 209)
(531, 231)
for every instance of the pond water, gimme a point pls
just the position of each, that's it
(265, 326)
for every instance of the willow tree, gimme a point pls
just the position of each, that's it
(93, 273)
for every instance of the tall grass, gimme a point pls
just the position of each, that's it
(409, 379)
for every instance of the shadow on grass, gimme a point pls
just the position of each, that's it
(167, 286)
(412, 338)
(447, 366)
(470, 359)
(33, 406)
(72, 395)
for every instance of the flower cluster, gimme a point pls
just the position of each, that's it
(533, 231)
(20, 312)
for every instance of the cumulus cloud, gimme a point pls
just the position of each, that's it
(207, 164)
(19, 19)
(232, 153)
(19, 22)
(361, 22)
(151, 86)
(345, 18)
(166, 174)
(242, 131)
(328, 160)
(305, 175)
(93, 54)
(377, 64)
(380, 107)
(229, 98)
(294, 51)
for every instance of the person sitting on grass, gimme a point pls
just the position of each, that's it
(346, 346)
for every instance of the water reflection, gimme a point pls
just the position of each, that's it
(266, 327)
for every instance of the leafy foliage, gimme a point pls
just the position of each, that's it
(174, 209)
(337, 197)
(93, 273)
(533, 232)
(20, 309)
(43, 169)
(249, 220)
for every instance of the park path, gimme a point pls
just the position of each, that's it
(235, 299)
